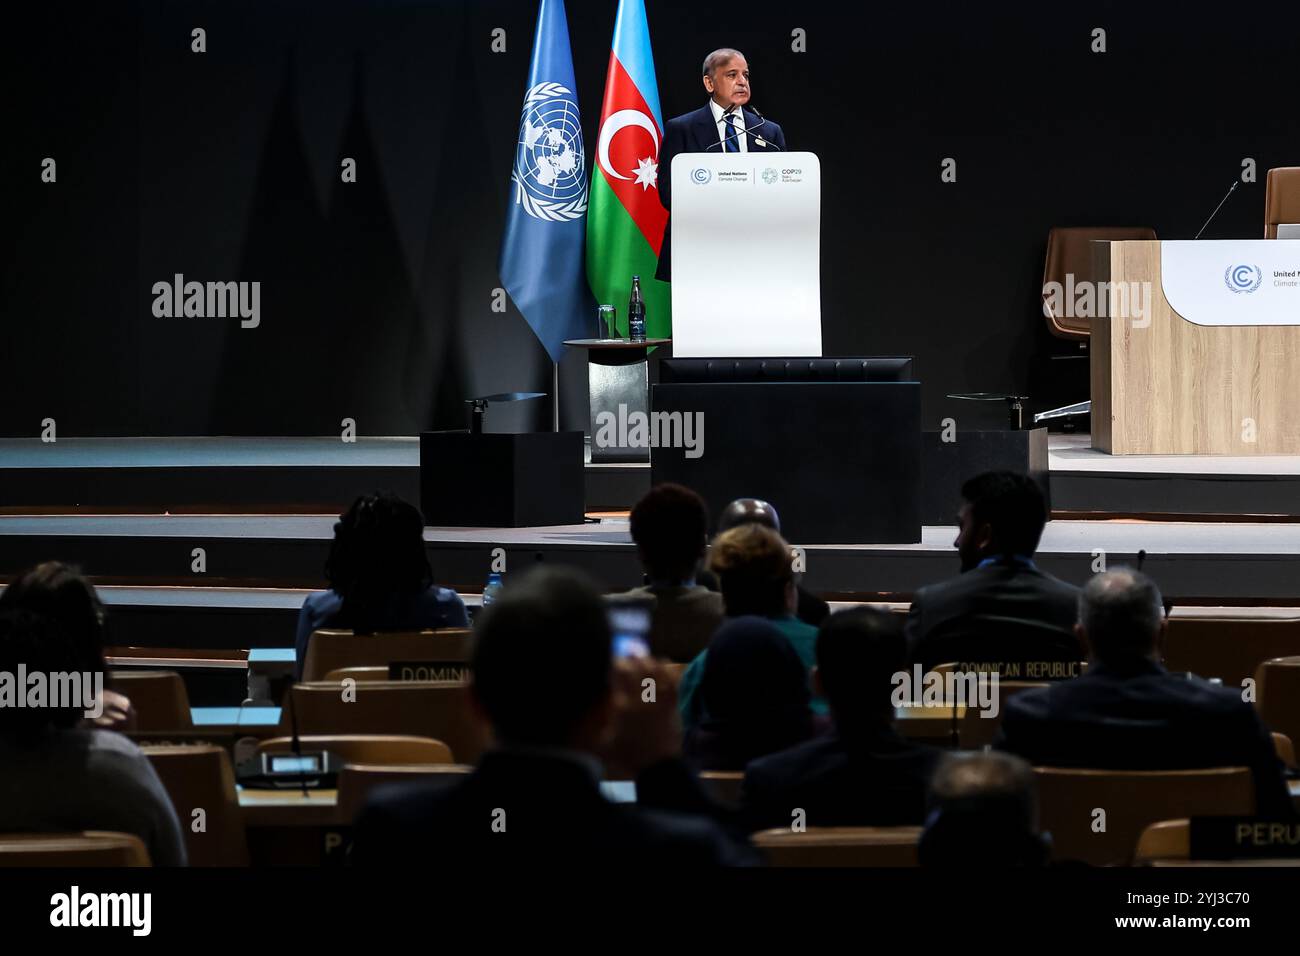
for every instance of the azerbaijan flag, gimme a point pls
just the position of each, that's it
(625, 220)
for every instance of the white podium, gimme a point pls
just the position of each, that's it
(746, 251)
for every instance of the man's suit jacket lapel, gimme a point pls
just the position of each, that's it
(705, 130)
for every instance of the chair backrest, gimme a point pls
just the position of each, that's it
(1285, 750)
(368, 674)
(840, 846)
(356, 781)
(975, 730)
(1164, 840)
(390, 749)
(437, 709)
(331, 649)
(1069, 800)
(1229, 648)
(199, 777)
(1070, 253)
(1277, 696)
(87, 848)
(1281, 198)
(723, 785)
(1023, 649)
(159, 699)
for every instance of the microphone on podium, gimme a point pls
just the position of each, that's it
(1217, 208)
(732, 134)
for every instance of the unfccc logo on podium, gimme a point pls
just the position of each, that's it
(701, 175)
(1243, 278)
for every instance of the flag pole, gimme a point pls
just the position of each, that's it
(555, 396)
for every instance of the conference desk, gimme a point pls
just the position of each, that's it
(262, 721)
(290, 828)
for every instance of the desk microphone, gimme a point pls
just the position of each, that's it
(1235, 184)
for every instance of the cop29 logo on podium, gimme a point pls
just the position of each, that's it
(1242, 278)
(549, 175)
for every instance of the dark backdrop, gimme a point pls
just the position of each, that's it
(376, 298)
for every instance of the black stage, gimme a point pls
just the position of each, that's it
(263, 510)
(321, 475)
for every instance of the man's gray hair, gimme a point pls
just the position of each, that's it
(719, 58)
(1120, 612)
(992, 778)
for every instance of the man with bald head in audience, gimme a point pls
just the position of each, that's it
(811, 609)
(1128, 713)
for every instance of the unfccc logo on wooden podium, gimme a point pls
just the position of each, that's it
(1243, 278)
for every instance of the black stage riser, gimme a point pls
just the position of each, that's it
(329, 489)
(303, 489)
(1244, 578)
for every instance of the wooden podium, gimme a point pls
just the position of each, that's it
(1225, 381)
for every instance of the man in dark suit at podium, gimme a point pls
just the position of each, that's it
(722, 125)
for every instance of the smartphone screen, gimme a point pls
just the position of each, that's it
(630, 624)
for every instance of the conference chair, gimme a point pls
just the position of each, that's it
(357, 781)
(976, 731)
(840, 846)
(1281, 198)
(331, 649)
(1284, 749)
(1229, 648)
(1164, 840)
(437, 709)
(159, 698)
(360, 674)
(723, 785)
(1070, 252)
(1070, 261)
(1069, 800)
(199, 777)
(1277, 695)
(89, 848)
(381, 749)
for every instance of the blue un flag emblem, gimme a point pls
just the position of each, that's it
(550, 172)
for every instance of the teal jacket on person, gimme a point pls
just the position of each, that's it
(804, 638)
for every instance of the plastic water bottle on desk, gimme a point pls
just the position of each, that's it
(636, 313)
(492, 589)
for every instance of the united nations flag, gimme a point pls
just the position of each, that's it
(542, 252)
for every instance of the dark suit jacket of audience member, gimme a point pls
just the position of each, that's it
(878, 778)
(1004, 612)
(1144, 718)
(555, 816)
(682, 619)
(811, 610)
